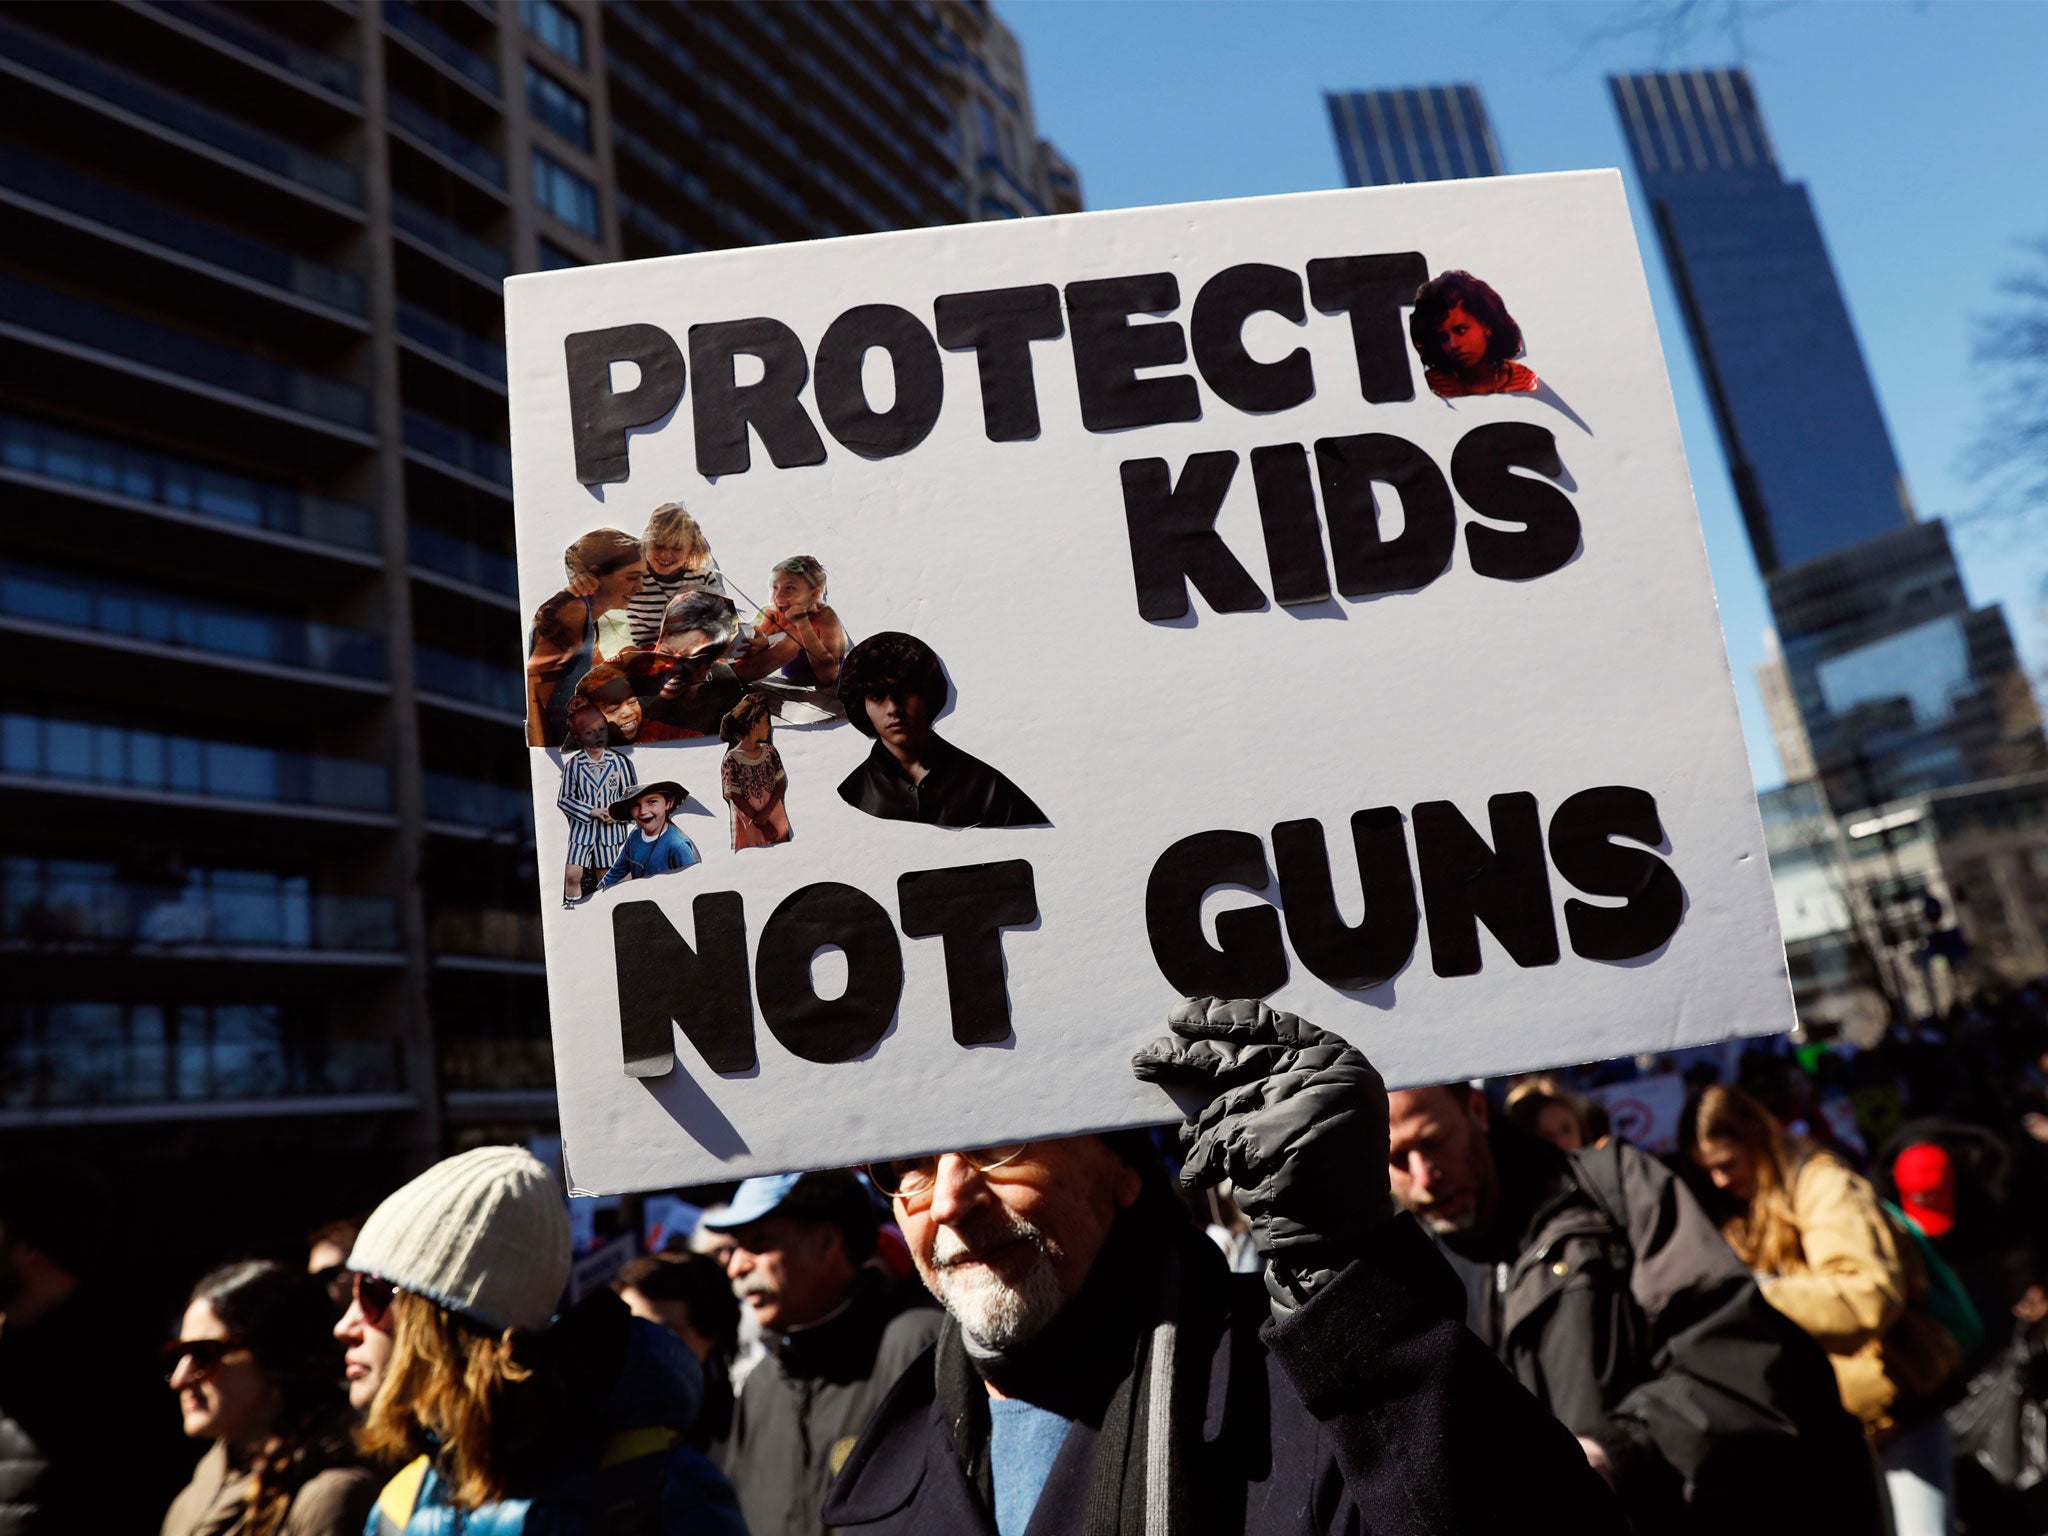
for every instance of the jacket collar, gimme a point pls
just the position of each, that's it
(1533, 1181)
(842, 1347)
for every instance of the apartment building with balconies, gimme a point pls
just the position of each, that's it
(267, 889)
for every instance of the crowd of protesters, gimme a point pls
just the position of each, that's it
(1318, 1306)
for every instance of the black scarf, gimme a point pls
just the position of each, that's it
(1099, 1363)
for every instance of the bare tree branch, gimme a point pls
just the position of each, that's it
(2009, 455)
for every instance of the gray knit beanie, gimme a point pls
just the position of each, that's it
(485, 1234)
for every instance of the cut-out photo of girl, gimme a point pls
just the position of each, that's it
(1467, 339)
(752, 776)
(564, 643)
(893, 686)
(655, 846)
(593, 778)
(797, 633)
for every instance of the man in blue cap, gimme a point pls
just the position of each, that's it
(836, 1340)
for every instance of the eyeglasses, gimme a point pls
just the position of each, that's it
(205, 1354)
(372, 1295)
(912, 1179)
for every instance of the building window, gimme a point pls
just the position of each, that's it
(553, 258)
(564, 194)
(555, 27)
(557, 106)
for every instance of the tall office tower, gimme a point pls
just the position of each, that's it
(1901, 687)
(267, 898)
(1813, 464)
(1418, 133)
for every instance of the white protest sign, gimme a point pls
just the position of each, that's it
(1646, 1111)
(1205, 636)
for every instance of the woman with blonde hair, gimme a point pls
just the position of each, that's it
(256, 1372)
(506, 1420)
(1828, 1257)
(797, 632)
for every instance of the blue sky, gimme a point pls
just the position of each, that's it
(1915, 126)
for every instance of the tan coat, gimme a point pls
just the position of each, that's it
(1853, 1285)
(215, 1503)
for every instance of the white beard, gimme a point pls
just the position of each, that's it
(995, 1314)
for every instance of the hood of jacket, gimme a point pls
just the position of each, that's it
(660, 1382)
(624, 1372)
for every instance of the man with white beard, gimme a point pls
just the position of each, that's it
(836, 1339)
(1101, 1373)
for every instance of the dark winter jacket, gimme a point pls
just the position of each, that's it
(1611, 1296)
(618, 1466)
(1370, 1409)
(88, 1433)
(803, 1406)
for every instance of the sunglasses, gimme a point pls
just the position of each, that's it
(372, 1295)
(205, 1354)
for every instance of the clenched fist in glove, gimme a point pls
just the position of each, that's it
(1296, 1120)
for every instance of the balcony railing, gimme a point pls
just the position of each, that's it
(487, 461)
(993, 165)
(461, 58)
(53, 312)
(470, 680)
(475, 803)
(430, 130)
(663, 101)
(72, 1054)
(32, 448)
(436, 334)
(658, 160)
(447, 555)
(321, 68)
(152, 620)
(496, 1065)
(50, 905)
(79, 752)
(132, 93)
(654, 226)
(76, 192)
(490, 932)
(479, 255)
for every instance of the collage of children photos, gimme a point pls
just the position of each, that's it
(649, 644)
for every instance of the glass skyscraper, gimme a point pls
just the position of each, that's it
(1813, 464)
(1900, 686)
(1416, 133)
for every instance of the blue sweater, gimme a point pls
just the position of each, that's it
(643, 856)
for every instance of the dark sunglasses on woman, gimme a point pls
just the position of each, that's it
(373, 1295)
(205, 1354)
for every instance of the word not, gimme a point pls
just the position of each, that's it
(997, 325)
(705, 990)
(1172, 523)
(1465, 881)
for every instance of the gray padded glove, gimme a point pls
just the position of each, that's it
(1297, 1123)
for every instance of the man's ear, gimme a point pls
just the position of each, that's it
(1480, 1111)
(1128, 1186)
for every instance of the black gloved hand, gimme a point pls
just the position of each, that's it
(1297, 1123)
